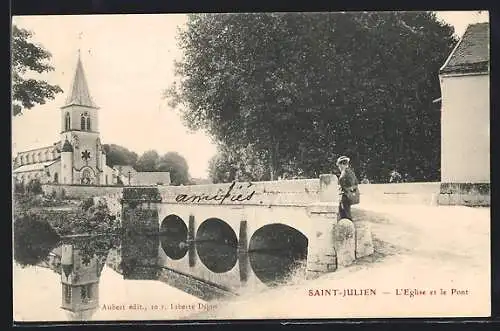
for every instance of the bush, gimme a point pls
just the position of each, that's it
(19, 188)
(87, 203)
(34, 187)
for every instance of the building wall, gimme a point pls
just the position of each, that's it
(26, 177)
(38, 155)
(109, 174)
(53, 169)
(86, 141)
(465, 136)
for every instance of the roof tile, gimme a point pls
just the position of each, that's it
(472, 52)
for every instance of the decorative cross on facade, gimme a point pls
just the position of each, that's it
(86, 155)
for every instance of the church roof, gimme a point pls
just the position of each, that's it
(472, 53)
(33, 166)
(67, 146)
(79, 94)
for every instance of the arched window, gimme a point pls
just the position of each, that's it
(56, 178)
(85, 122)
(67, 122)
(82, 123)
(39, 157)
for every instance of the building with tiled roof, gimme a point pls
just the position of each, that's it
(465, 119)
(78, 157)
(472, 52)
(129, 176)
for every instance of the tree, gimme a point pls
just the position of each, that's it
(237, 164)
(305, 88)
(28, 57)
(148, 161)
(119, 155)
(177, 165)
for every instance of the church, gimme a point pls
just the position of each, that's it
(78, 157)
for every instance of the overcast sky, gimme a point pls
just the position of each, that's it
(128, 61)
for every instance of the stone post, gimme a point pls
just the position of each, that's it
(243, 259)
(191, 241)
(345, 242)
(363, 231)
(321, 255)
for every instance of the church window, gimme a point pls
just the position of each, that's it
(84, 294)
(85, 122)
(56, 178)
(67, 122)
(89, 291)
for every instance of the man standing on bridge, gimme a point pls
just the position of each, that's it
(348, 185)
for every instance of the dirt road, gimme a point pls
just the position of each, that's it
(429, 262)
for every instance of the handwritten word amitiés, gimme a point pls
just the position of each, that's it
(220, 196)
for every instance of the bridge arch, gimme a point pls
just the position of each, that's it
(217, 245)
(277, 252)
(173, 237)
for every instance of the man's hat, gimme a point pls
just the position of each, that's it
(343, 159)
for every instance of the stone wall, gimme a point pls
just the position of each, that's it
(468, 194)
(400, 193)
(74, 191)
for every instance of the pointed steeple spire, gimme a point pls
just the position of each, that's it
(79, 94)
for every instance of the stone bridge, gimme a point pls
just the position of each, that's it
(215, 233)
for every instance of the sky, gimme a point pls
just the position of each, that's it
(128, 62)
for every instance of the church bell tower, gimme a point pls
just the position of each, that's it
(80, 127)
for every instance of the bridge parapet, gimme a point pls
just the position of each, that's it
(300, 192)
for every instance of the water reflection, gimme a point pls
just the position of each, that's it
(174, 234)
(276, 253)
(33, 240)
(81, 271)
(216, 244)
(275, 268)
(139, 257)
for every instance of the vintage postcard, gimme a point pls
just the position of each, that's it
(180, 167)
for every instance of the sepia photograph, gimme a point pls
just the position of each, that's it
(273, 165)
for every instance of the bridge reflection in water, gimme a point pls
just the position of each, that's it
(213, 251)
(275, 253)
